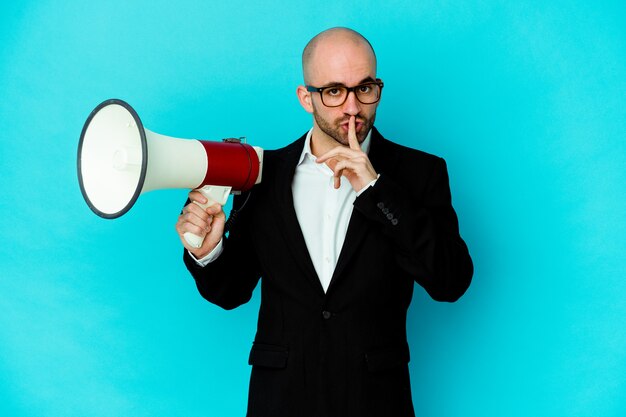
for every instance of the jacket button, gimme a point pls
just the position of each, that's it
(326, 314)
(380, 205)
(394, 221)
(390, 216)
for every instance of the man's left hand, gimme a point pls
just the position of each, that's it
(350, 162)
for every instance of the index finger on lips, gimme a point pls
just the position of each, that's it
(352, 140)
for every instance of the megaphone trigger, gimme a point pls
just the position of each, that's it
(214, 194)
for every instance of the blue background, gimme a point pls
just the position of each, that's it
(525, 100)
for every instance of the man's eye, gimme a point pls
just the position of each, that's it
(334, 91)
(365, 89)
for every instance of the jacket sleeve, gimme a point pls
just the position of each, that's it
(230, 279)
(424, 231)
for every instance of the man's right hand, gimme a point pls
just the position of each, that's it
(207, 223)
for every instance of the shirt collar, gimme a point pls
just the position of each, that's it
(306, 150)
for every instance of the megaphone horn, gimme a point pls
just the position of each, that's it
(118, 159)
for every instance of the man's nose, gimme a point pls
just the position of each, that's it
(352, 105)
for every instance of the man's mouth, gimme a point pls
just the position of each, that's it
(358, 125)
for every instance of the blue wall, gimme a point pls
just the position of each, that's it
(525, 100)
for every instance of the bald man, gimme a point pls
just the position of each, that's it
(342, 226)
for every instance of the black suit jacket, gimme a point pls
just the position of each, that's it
(344, 352)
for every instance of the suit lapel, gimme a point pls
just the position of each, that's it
(287, 218)
(382, 160)
(357, 229)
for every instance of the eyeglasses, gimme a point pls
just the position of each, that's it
(336, 95)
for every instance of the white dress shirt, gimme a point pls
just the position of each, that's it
(323, 211)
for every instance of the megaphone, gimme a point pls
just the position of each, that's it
(118, 160)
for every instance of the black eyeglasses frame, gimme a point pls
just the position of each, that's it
(320, 90)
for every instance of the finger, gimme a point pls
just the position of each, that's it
(357, 165)
(188, 227)
(345, 164)
(196, 210)
(352, 140)
(214, 209)
(339, 151)
(195, 214)
(195, 195)
(337, 181)
(191, 218)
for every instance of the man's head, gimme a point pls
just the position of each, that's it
(338, 57)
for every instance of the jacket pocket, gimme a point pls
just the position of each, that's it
(388, 358)
(268, 356)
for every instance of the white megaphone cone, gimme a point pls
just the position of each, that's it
(118, 160)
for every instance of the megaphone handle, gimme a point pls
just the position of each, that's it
(213, 194)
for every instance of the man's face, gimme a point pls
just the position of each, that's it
(349, 64)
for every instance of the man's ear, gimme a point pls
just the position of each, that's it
(305, 98)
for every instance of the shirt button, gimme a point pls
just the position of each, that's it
(326, 314)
